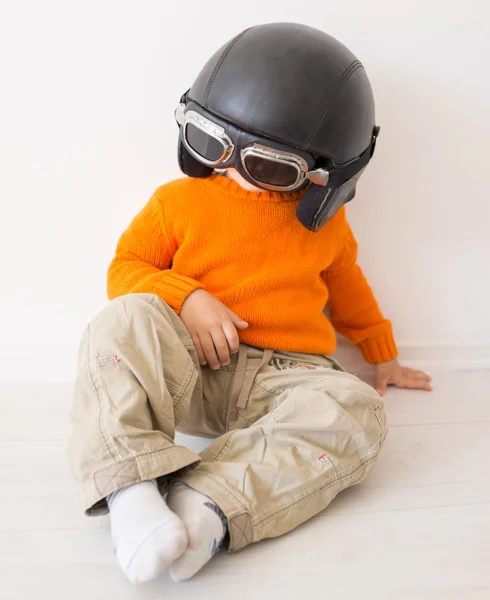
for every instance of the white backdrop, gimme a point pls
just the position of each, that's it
(87, 94)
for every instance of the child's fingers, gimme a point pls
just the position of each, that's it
(414, 384)
(209, 350)
(412, 373)
(221, 346)
(381, 384)
(231, 336)
(237, 321)
(200, 353)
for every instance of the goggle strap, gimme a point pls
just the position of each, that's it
(342, 174)
(339, 175)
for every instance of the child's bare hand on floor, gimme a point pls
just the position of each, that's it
(213, 328)
(392, 373)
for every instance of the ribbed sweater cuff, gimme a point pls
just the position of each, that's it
(379, 349)
(173, 289)
(177, 289)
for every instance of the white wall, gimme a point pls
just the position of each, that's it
(87, 93)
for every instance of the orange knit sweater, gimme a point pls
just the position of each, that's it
(250, 251)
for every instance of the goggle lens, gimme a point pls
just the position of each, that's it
(210, 148)
(271, 172)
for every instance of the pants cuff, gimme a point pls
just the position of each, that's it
(134, 470)
(240, 529)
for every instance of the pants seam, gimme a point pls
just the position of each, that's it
(191, 376)
(269, 390)
(180, 389)
(103, 402)
(382, 425)
(134, 460)
(307, 494)
(245, 418)
(90, 368)
(226, 405)
(226, 491)
(225, 447)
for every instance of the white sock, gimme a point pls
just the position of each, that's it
(205, 525)
(147, 535)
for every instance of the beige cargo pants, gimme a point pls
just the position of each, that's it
(294, 429)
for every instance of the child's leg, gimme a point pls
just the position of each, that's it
(137, 373)
(323, 434)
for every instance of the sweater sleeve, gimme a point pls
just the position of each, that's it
(143, 260)
(354, 311)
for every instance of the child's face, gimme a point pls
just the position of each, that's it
(235, 175)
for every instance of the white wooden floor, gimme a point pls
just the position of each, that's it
(418, 529)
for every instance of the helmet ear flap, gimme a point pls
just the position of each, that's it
(319, 204)
(189, 165)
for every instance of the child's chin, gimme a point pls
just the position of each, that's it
(237, 178)
(249, 187)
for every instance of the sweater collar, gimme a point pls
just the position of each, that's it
(231, 188)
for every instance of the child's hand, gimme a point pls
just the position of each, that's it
(213, 328)
(392, 373)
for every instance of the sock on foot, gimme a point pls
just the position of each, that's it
(147, 535)
(205, 525)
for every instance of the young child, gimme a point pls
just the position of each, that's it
(216, 324)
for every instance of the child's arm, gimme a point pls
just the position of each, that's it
(143, 265)
(355, 314)
(143, 259)
(354, 311)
